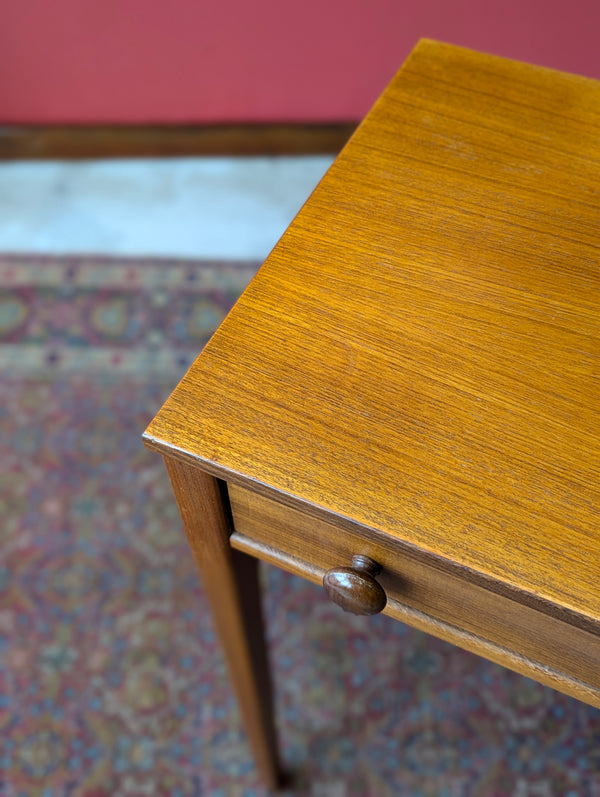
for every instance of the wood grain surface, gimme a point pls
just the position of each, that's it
(282, 535)
(399, 610)
(420, 354)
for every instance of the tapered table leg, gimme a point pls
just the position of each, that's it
(230, 579)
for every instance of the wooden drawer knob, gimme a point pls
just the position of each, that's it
(354, 588)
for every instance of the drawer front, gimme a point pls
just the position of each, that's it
(537, 644)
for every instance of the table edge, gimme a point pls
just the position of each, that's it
(495, 585)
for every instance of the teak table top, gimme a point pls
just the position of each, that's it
(420, 354)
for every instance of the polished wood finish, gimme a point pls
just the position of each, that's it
(231, 584)
(535, 643)
(419, 353)
(399, 610)
(413, 374)
(355, 588)
(130, 141)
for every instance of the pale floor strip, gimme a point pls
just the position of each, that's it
(233, 208)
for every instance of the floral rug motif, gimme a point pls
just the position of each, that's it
(111, 679)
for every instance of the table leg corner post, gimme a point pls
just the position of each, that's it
(230, 579)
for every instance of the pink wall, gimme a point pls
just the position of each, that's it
(266, 60)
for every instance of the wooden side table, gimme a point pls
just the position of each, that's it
(408, 392)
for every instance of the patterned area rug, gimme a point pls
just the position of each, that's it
(112, 680)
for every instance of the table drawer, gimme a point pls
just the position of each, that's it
(425, 595)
